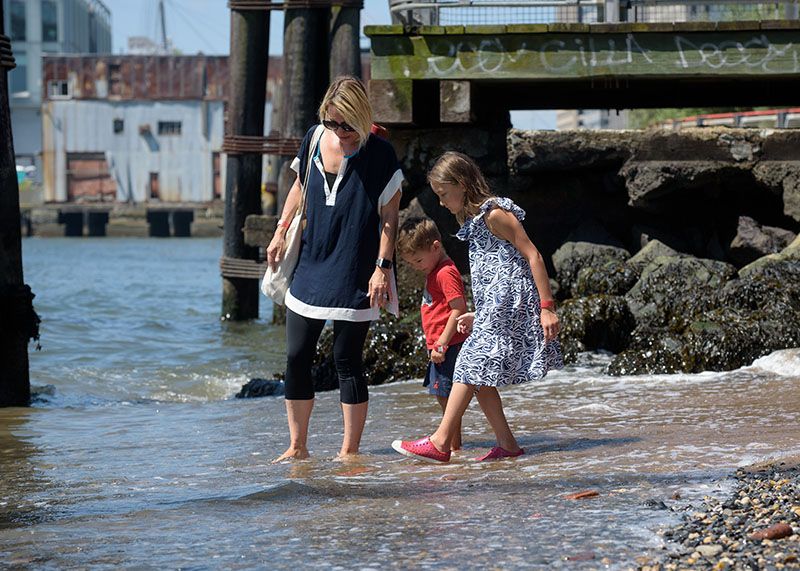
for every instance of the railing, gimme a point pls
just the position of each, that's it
(473, 12)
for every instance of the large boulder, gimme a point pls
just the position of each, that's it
(545, 151)
(672, 290)
(595, 322)
(572, 257)
(791, 252)
(753, 241)
(612, 278)
(652, 250)
(783, 179)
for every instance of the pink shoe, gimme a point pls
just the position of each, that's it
(422, 449)
(496, 453)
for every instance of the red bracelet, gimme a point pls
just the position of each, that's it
(284, 223)
(549, 304)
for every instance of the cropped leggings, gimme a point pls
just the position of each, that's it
(302, 334)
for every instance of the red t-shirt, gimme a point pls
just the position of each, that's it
(442, 286)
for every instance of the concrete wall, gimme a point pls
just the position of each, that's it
(184, 162)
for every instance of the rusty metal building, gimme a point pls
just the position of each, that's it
(135, 128)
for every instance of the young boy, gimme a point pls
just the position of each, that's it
(419, 244)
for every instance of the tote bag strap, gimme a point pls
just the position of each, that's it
(309, 159)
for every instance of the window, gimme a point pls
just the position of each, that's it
(58, 89)
(49, 21)
(119, 125)
(18, 20)
(169, 127)
(18, 77)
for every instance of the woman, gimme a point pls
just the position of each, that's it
(344, 272)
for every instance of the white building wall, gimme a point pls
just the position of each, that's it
(183, 162)
(73, 37)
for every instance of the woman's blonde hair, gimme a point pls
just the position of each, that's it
(348, 95)
(458, 168)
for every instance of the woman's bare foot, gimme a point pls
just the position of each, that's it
(292, 453)
(347, 457)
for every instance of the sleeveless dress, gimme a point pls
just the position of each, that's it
(506, 346)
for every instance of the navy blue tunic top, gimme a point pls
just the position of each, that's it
(342, 234)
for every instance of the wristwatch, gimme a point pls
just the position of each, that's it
(384, 263)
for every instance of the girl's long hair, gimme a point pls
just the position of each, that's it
(348, 95)
(457, 168)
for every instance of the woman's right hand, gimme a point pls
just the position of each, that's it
(276, 249)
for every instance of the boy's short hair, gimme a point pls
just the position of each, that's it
(417, 234)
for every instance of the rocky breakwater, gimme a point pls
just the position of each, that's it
(684, 256)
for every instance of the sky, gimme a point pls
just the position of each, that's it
(204, 26)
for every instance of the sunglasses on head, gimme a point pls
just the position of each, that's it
(333, 125)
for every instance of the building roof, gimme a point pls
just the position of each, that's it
(144, 77)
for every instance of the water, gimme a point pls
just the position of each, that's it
(142, 458)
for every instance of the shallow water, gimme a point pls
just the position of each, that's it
(143, 458)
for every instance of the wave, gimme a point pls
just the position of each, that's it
(785, 362)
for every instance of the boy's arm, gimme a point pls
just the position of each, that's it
(458, 306)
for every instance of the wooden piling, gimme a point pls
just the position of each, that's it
(305, 79)
(15, 297)
(248, 80)
(345, 52)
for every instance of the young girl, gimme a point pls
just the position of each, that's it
(514, 327)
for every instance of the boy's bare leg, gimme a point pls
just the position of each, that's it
(456, 443)
(451, 422)
(355, 416)
(298, 413)
(492, 407)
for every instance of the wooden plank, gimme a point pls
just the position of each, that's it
(537, 56)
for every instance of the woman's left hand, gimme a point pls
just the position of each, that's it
(550, 324)
(379, 292)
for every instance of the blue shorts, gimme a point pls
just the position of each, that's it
(439, 377)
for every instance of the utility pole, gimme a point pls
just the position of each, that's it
(18, 321)
(163, 25)
(244, 137)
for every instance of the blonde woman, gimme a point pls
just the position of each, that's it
(345, 270)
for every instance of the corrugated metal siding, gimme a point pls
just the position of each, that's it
(184, 162)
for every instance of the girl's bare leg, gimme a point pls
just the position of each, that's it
(456, 443)
(298, 413)
(450, 426)
(492, 407)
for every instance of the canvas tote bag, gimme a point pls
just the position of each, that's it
(276, 283)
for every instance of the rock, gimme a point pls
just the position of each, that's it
(655, 504)
(666, 238)
(612, 278)
(595, 322)
(571, 257)
(782, 178)
(672, 290)
(709, 551)
(652, 250)
(42, 393)
(651, 351)
(537, 151)
(777, 531)
(656, 185)
(753, 241)
(256, 388)
(790, 253)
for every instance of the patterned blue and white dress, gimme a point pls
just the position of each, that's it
(506, 346)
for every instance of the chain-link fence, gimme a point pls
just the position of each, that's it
(473, 12)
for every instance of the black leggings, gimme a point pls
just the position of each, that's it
(302, 334)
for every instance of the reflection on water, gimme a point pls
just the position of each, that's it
(143, 458)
